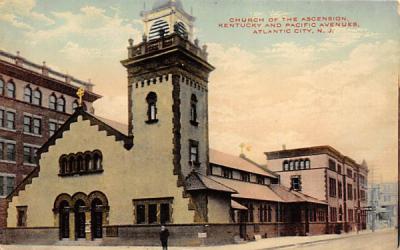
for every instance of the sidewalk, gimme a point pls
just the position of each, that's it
(264, 244)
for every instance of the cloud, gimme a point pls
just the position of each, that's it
(20, 14)
(348, 102)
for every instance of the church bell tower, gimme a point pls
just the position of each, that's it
(168, 92)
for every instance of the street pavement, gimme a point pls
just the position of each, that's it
(366, 240)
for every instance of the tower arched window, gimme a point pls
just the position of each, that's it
(61, 104)
(53, 102)
(80, 163)
(151, 107)
(291, 165)
(1, 86)
(28, 94)
(63, 165)
(180, 29)
(285, 165)
(88, 162)
(37, 97)
(296, 165)
(75, 105)
(193, 110)
(307, 163)
(11, 89)
(301, 164)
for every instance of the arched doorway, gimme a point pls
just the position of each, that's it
(80, 219)
(97, 218)
(64, 219)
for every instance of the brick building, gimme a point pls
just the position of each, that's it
(326, 174)
(34, 101)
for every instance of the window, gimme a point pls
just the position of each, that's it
(295, 183)
(28, 94)
(10, 120)
(6, 185)
(307, 163)
(260, 180)
(313, 214)
(53, 126)
(10, 155)
(349, 173)
(296, 165)
(340, 190)
(285, 165)
(164, 213)
(355, 194)
(28, 155)
(332, 165)
(32, 125)
(1, 87)
(21, 216)
(350, 214)
(11, 89)
(301, 164)
(227, 173)
(193, 152)
(152, 211)
(291, 165)
(333, 216)
(269, 214)
(250, 213)
(37, 97)
(339, 169)
(332, 187)
(2, 121)
(61, 104)
(193, 111)
(349, 191)
(321, 215)
(152, 214)
(151, 108)
(81, 163)
(52, 102)
(340, 213)
(140, 214)
(245, 177)
(362, 194)
(7, 151)
(75, 105)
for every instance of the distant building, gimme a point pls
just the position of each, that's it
(382, 199)
(34, 102)
(326, 174)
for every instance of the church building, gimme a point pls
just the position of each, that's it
(98, 181)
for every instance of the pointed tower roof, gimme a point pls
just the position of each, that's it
(160, 4)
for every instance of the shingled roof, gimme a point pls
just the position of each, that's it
(237, 162)
(196, 181)
(293, 196)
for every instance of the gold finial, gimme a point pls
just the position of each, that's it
(80, 94)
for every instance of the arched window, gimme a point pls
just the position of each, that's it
(80, 163)
(71, 164)
(180, 29)
(158, 29)
(285, 165)
(1, 86)
(307, 163)
(11, 89)
(193, 110)
(291, 165)
(75, 105)
(151, 107)
(63, 165)
(97, 160)
(61, 104)
(296, 165)
(28, 94)
(301, 164)
(53, 102)
(88, 161)
(37, 97)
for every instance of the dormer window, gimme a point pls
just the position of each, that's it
(151, 108)
(193, 111)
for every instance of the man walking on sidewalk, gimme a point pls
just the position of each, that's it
(164, 234)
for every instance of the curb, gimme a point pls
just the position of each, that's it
(312, 242)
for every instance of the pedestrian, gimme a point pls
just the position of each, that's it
(164, 234)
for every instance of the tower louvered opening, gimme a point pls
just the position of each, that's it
(158, 27)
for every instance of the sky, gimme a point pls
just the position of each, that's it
(268, 90)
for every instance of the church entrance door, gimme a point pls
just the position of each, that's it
(97, 218)
(80, 219)
(64, 219)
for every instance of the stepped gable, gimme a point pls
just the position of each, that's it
(119, 136)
